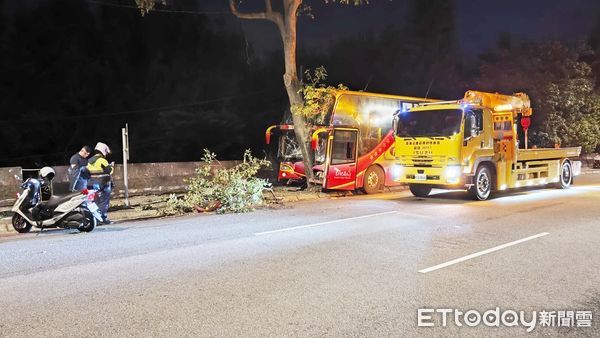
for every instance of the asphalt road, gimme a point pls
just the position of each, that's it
(359, 266)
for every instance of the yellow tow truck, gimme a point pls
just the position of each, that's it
(473, 143)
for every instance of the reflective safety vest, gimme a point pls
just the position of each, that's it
(98, 167)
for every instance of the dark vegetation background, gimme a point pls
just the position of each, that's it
(73, 72)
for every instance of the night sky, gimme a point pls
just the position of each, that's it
(479, 22)
(251, 44)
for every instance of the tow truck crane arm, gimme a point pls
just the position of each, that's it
(518, 103)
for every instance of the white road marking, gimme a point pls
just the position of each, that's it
(481, 253)
(412, 214)
(321, 223)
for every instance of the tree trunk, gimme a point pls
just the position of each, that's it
(292, 86)
(301, 129)
(286, 22)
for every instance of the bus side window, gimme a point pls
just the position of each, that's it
(368, 140)
(344, 147)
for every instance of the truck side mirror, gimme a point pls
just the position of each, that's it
(395, 123)
(470, 129)
(474, 126)
(468, 132)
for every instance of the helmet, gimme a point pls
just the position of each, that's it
(47, 173)
(103, 148)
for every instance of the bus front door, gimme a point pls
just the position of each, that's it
(341, 169)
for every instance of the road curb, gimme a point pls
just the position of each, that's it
(140, 211)
(5, 225)
(120, 213)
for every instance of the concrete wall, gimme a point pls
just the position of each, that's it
(144, 178)
(10, 180)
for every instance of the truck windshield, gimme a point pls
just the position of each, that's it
(444, 123)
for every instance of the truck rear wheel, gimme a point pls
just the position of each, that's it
(566, 176)
(482, 184)
(420, 190)
(374, 180)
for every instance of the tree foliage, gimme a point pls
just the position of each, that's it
(319, 98)
(573, 114)
(561, 87)
(146, 6)
(220, 189)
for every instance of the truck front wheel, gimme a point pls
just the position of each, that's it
(482, 184)
(419, 190)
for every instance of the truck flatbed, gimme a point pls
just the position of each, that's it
(547, 153)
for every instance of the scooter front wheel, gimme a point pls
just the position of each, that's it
(20, 224)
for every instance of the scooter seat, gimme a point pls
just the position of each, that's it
(55, 201)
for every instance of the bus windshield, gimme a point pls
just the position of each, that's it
(443, 122)
(289, 150)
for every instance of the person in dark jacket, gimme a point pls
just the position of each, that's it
(77, 163)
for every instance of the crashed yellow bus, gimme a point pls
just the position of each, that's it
(473, 144)
(354, 148)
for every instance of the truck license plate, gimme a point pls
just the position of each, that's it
(420, 177)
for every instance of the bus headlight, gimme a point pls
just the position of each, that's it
(453, 174)
(286, 167)
(397, 171)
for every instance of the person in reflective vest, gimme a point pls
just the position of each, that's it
(101, 178)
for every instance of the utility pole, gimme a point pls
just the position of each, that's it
(125, 134)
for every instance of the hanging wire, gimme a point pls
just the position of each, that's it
(147, 110)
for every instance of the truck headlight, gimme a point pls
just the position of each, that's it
(397, 171)
(452, 174)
